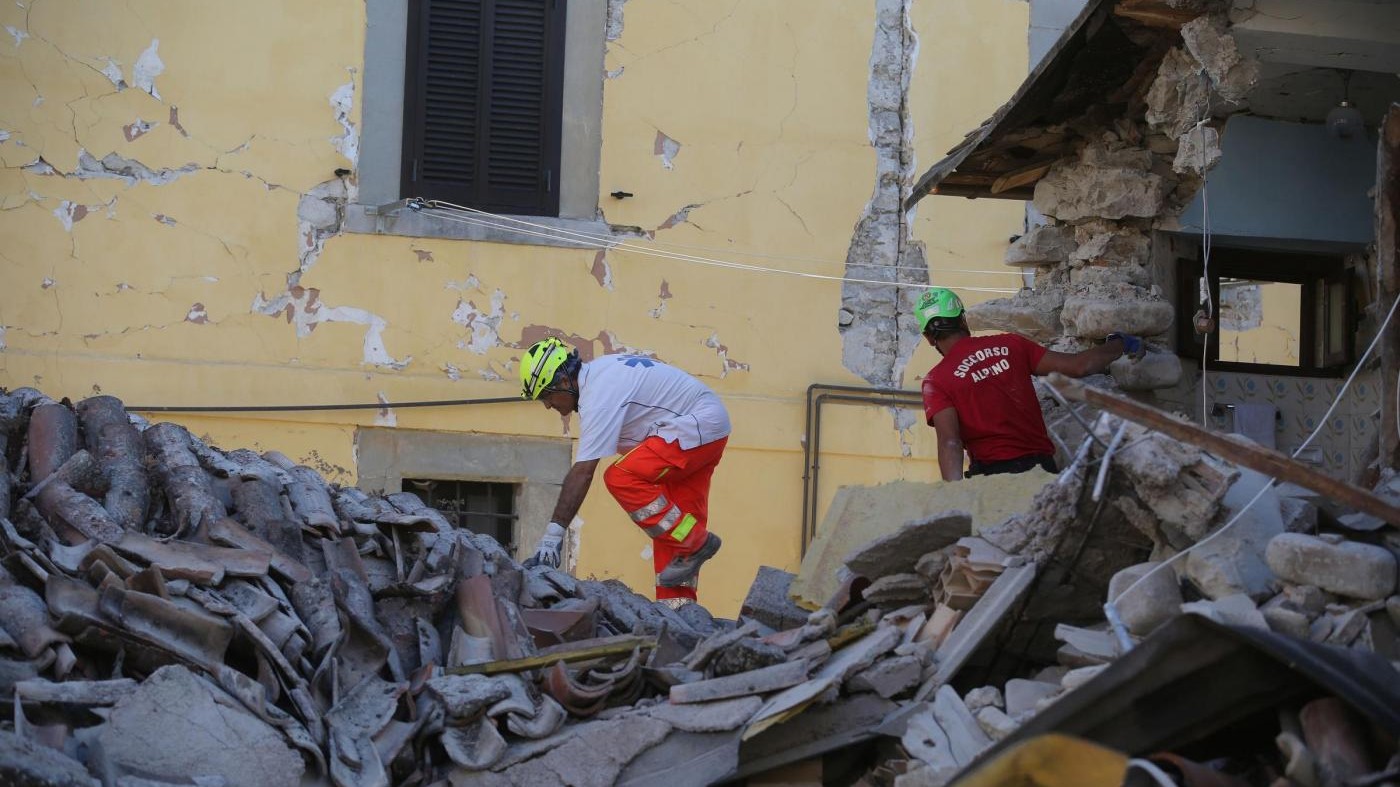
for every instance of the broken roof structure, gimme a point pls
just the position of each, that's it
(174, 613)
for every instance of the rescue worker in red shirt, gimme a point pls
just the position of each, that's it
(980, 399)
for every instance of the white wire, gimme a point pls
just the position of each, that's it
(545, 231)
(1205, 266)
(1150, 768)
(1238, 514)
(611, 240)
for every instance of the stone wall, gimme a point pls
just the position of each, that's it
(1094, 257)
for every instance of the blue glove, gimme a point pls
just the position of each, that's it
(547, 553)
(1132, 345)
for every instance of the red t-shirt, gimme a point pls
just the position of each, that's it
(987, 379)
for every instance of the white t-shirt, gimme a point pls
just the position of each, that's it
(624, 399)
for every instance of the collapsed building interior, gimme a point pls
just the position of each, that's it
(1174, 607)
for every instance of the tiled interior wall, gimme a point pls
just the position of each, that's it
(1347, 442)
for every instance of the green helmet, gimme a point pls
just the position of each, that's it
(938, 309)
(540, 364)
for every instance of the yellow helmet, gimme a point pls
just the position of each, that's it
(540, 364)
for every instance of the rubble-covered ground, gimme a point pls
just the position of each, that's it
(171, 613)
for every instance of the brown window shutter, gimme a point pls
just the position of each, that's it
(482, 103)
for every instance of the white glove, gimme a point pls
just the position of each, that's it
(547, 552)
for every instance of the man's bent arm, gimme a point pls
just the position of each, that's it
(950, 446)
(1080, 364)
(575, 489)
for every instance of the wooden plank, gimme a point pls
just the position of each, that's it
(1154, 13)
(582, 650)
(1023, 176)
(1255, 457)
(977, 626)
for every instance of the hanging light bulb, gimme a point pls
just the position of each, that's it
(1344, 121)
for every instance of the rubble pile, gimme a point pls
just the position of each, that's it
(178, 614)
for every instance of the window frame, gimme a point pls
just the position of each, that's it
(480, 196)
(1316, 273)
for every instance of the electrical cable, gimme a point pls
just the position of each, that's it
(1151, 769)
(443, 210)
(1341, 394)
(612, 240)
(296, 408)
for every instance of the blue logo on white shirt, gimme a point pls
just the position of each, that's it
(637, 360)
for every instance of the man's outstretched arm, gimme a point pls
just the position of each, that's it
(573, 491)
(1086, 362)
(950, 446)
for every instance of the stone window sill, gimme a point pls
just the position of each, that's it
(397, 219)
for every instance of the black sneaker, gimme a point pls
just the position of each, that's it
(683, 569)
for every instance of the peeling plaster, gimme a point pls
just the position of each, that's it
(343, 102)
(484, 327)
(614, 29)
(601, 270)
(197, 315)
(148, 67)
(39, 167)
(46, 283)
(19, 35)
(666, 149)
(113, 72)
(664, 295)
(175, 121)
(385, 415)
(302, 307)
(164, 219)
(3, 328)
(4, 135)
(70, 213)
(679, 217)
(453, 373)
(135, 130)
(727, 364)
(876, 322)
(423, 255)
(129, 170)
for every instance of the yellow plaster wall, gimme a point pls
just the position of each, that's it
(192, 285)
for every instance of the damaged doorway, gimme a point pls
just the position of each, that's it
(479, 506)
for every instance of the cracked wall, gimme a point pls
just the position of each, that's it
(174, 186)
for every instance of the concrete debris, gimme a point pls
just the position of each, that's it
(1350, 569)
(1044, 244)
(1103, 183)
(256, 625)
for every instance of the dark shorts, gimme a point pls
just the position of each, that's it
(1018, 465)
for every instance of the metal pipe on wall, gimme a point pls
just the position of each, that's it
(811, 444)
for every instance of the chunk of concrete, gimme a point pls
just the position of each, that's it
(896, 588)
(778, 676)
(1347, 569)
(467, 696)
(1208, 39)
(1178, 97)
(984, 697)
(1287, 621)
(707, 716)
(1078, 677)
(1153, 371)
(24, 762)
(1031, 312)
(899, 552)
(1235, 610)
(176, 727)
(995, 722)
(1115, 308)
(769, 602)
(1073, 191)
(861, 514)
(1198, 151)
(1022, 695)
(1152, 603)
(586, 755)
(888, 677)
(1046, 244)
(1233, 561)
(747, 655)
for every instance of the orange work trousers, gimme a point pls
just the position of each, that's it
(665, 489)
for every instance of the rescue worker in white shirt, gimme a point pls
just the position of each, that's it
(671, 431)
